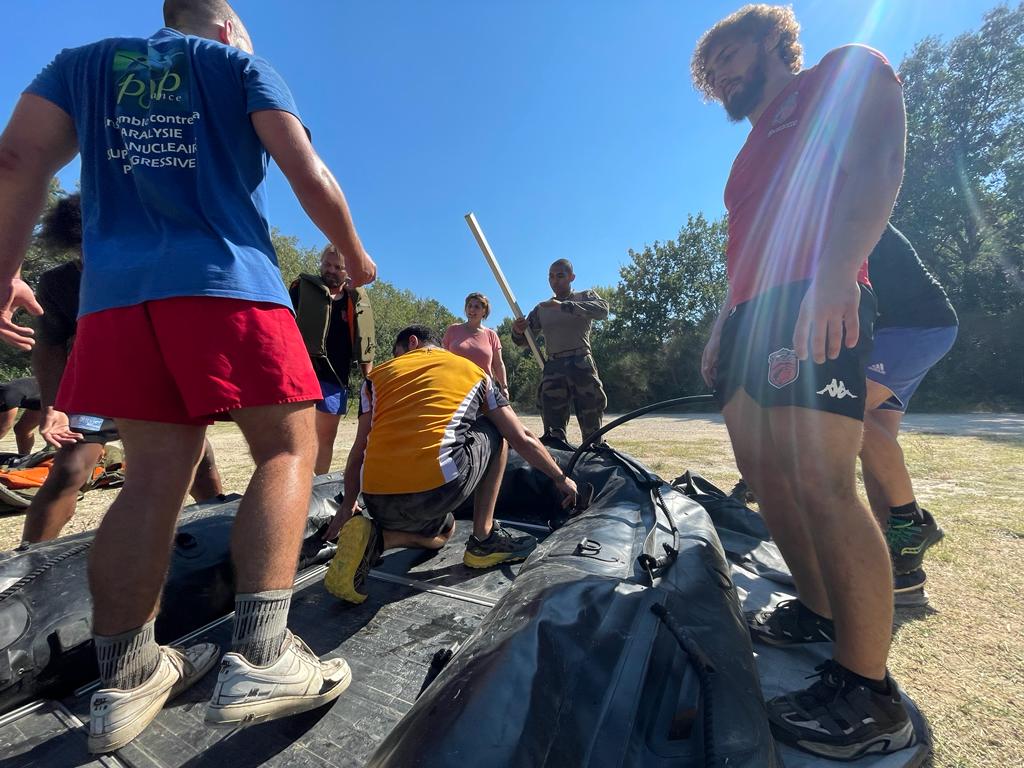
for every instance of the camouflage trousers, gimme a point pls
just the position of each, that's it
(571, 380)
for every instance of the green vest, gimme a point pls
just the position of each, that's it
(313, 315)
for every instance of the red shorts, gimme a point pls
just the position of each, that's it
(186, 360)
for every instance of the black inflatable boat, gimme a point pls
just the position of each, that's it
(46, 613)
(620, 642)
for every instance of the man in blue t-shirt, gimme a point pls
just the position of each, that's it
(175, 132)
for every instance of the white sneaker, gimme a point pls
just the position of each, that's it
(297, 682)
(117, 716)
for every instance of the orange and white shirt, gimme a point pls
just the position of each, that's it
(422, 404)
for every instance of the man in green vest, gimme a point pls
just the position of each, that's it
(336, 322)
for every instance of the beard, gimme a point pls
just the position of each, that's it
(745, 98)
(331, 281)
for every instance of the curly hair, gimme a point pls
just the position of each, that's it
(756, 21)
(61, 228)
(484, 301)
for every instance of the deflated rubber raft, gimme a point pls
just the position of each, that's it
(46, 612)
(620, 642)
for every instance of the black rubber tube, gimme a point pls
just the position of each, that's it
(702, 665)
(663, 405)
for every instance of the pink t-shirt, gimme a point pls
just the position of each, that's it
(480, 346)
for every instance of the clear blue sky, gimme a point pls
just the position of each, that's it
(569, 126)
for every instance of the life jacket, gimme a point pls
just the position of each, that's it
(22, 476)
(313, 316)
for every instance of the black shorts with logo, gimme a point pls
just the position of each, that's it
(20, 393)
(756, 354)
(429, 513)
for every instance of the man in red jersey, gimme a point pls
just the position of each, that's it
(808, 198)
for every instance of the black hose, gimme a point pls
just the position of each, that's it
(704, 668)
(663, 405)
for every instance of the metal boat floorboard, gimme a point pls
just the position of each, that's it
(388, 641)
(445, 569)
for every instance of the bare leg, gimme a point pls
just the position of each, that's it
(402, 539)
(7, 419)
(128, 563)
(876, 497)
(486, 494)
(820, 450)
(54, 504)
(25, 431)
(760, 463)
(326, 432)
(207, 483)
(877, 448)
(885, 471)
(272, 516)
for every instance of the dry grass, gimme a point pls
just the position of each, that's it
(962, 658)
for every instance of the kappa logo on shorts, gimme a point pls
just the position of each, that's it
(783, 367)
(836, 389)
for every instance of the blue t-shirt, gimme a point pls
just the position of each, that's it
(173, 174)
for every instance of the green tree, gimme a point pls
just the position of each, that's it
(292, 258)
(661, 312)
(670, 286)
(962, 201)
(394, 308)
(522, 368)
(38, 259)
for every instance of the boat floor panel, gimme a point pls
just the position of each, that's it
(418, 603)
(388, 641)
(46, 735)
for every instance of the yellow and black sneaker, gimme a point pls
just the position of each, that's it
(359, 548)
(498, 548)
(908, 541)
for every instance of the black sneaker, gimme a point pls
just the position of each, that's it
(359, 548)
(908, 588)
(840, 718)
(742, 493)
(790, 622)
(908, 541)
(500, 547)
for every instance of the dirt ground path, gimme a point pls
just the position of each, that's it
(654, 439)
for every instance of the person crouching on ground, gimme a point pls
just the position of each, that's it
(431, 449)
(336, 323)
(473, 341)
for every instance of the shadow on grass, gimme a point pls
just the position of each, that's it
(905, 614)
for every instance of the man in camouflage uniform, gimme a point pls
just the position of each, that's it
(570, 374)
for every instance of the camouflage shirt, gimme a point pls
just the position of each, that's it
(567, 326)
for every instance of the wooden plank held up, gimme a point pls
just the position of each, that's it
(478, 233)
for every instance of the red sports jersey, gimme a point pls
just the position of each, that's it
(784, 181)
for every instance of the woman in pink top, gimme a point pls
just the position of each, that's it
(477, 343)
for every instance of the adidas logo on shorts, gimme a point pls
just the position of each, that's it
(877, 367)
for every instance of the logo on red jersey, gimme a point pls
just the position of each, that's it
(783, 367)
(786, 109)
